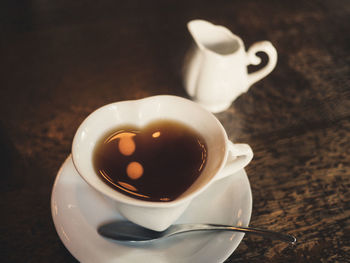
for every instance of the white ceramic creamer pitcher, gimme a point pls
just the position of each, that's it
(215, 69)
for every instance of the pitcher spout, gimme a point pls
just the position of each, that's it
(213, 38)
(199, 29)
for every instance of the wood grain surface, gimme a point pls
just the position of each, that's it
(60, 60)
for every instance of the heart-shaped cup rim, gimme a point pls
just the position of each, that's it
(140, 113)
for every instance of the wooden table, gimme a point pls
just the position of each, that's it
(60, 60)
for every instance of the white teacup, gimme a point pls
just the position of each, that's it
(224, 158)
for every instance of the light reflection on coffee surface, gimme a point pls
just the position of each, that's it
(158, 162)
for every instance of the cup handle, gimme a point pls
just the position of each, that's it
(239, 156)
(268, 48)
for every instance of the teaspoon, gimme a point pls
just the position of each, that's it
(127, 231)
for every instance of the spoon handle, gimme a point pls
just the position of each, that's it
(261, 232)
(177, 229)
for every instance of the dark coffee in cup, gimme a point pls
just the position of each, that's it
(157, 162)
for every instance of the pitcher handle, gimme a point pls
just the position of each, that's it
(268, 48)
(240, 155)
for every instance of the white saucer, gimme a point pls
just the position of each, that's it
(78, 210)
